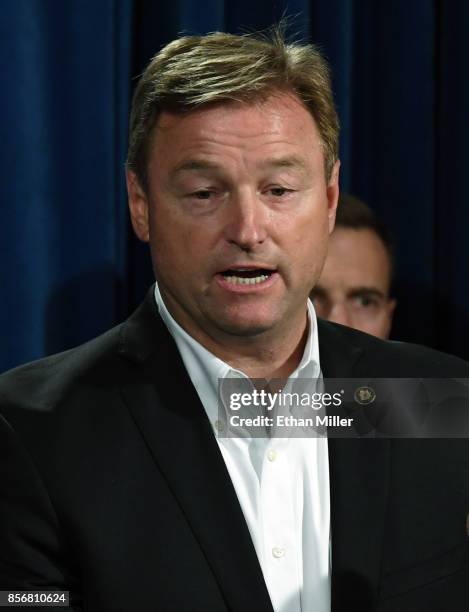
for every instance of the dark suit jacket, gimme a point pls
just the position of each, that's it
(112, 486)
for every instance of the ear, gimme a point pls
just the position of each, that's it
(138, 206)
(333, 195)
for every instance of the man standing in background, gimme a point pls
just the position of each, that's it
(355, 285)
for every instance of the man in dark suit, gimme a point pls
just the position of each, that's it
(113, 484)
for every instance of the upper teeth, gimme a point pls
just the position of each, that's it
(240, 280)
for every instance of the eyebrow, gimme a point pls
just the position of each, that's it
(196, 165)
(290, 161)
(319, 291)
(370, 291)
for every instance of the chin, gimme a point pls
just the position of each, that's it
(244, 328)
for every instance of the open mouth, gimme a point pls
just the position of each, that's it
(241, 276)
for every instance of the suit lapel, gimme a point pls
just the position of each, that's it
(170, 417)
(359, 477)
(172, 421)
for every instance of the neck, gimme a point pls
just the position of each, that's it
(265, 357)
(275, 353)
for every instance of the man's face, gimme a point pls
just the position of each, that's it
(238, 214)
(354, 285)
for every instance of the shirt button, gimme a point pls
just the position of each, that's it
(219, 426)
(278, 552)
(272, 455)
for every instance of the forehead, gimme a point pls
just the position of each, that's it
(279, 121)
(357, 257)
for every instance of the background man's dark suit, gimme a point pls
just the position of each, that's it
(112, 486)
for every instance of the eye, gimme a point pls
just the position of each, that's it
(203, 194)
(366, 301)
(278, 191)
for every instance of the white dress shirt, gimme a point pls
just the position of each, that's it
(282, 484)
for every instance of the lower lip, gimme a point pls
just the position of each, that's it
(238, 288)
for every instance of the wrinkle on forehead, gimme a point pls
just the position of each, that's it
(280, 121)
(277, 109)
(192, 164)
(277, 133)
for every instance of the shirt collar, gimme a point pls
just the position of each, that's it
(205, 369)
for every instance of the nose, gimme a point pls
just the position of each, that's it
(339, 313)
(247, 218)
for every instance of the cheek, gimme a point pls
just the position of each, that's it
(377, 324)
(165, 241)
(310, 245)
(179, 249)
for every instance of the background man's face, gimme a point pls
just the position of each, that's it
(238, 214)
(354, 285)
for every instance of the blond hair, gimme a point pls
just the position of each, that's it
(192, 71)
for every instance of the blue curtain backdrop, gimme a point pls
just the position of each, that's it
(70, 267)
